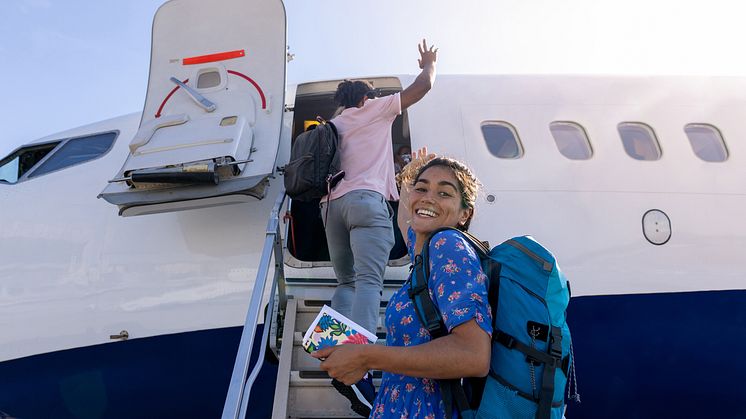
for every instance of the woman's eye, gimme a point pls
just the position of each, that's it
(445, 194)
(420, 189)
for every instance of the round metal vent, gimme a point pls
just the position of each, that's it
(656, 226)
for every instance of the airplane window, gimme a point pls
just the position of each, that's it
(707, 142)
(639, 141)
(502, 140)
(571, 140)
(76, 151)
(208, 79)
(14, 166)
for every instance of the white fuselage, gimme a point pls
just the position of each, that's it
(73, 272)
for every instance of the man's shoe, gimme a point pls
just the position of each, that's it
(361, 394)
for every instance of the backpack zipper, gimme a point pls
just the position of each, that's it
(544, 264)
(543, 301)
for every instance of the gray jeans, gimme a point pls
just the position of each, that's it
(360, 235)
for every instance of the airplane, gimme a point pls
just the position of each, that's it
(138, 253)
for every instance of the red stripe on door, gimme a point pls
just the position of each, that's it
(160, 108)
(211, 58)
(256, 85)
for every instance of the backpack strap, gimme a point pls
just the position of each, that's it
(451, 390)
(331, 179)
(547, 382)
(532, 354)
(552, 361)
(518, 391)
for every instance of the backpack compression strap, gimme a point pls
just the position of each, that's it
(552, 361)
(547, 381)
(429, 315)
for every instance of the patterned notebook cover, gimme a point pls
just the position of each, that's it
(331, 328)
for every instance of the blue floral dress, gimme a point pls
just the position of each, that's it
(458, 287)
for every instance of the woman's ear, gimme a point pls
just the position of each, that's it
(465, 215)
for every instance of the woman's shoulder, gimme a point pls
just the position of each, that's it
(450, 240)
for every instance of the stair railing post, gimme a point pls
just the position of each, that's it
(238, 392)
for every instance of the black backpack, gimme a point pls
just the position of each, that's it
(314, 167)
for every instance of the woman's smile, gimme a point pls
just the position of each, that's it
(436, 201)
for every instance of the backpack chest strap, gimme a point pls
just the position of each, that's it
(419, 293)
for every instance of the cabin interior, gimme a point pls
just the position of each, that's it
(306, 239)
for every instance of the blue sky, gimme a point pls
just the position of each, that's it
(69, 63)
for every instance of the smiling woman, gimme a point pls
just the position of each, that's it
(442, 195)
(436, 192)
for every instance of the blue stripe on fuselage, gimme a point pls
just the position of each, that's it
(668, 355)
(181, 375)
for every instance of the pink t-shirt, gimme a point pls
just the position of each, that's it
(365, 144)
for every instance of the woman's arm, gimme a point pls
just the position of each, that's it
(465, 352)
(403, 214)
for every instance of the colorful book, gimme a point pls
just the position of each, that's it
(331, 329)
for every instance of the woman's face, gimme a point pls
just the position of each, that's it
(435, 201)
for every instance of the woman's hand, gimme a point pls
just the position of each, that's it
(346, 363)
(419, 158)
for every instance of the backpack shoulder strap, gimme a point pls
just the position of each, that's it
(418, 291)
(451, 390)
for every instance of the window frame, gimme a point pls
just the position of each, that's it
(654, 137)
(719, 134)
(582, 130)
(513, 130)
(60, 143)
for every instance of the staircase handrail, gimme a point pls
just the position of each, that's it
(237, 398)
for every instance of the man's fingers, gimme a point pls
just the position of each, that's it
(419, 48)
(424, 44)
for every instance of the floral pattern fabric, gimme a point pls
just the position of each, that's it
(457, 286)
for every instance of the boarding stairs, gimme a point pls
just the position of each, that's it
(302, 389)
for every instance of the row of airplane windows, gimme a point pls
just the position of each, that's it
(639, 140)
(501, 137)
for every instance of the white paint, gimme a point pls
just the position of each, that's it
(72, 271)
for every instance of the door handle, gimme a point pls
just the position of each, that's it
(123, 335)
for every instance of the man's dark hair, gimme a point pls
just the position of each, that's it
(350, 93)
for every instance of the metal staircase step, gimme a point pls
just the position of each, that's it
(316, 398)
(303, 390)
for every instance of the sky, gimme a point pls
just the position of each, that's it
(73, 62)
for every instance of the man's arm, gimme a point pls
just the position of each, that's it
(424, 81)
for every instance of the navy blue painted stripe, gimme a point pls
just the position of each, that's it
(650, 356)
(173, 376)
(673, 355)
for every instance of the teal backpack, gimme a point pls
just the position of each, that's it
(531, 346)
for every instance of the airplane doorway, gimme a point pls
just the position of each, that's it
(306, 239)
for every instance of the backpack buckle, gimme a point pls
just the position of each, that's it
(555, 343)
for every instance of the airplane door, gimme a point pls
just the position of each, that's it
(210, 128)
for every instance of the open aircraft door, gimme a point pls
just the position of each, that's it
(210, 128)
